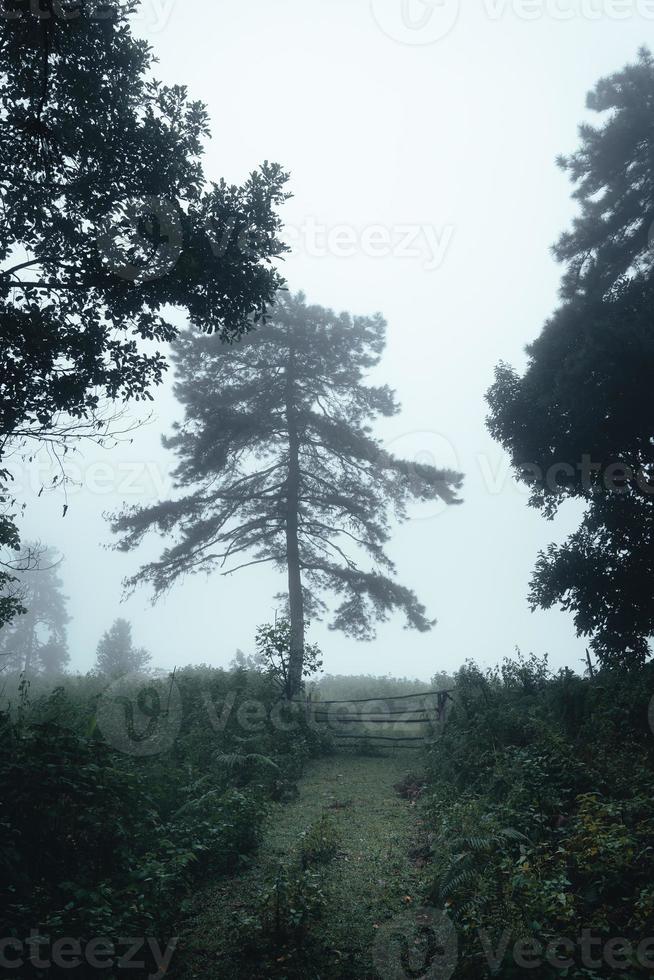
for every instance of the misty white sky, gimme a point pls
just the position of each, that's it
(395, 118)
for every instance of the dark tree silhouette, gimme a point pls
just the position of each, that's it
(281, 466)
(116, 653)
(36, 642)
(11, 604)
(107, 222)
(578, 422)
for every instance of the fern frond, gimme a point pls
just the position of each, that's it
(451, 884)
(510, 834)
(234, 759)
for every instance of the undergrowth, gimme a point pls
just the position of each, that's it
(99, 842)
(541, 804)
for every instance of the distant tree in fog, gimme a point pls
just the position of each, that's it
(281, 466)
(243, 661)
(343, 687)
(36, 642)
(16, 560)
(116, 654)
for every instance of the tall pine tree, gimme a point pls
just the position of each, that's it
(280, 465)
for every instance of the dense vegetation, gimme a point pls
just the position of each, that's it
(541, 800)
(99, 840)
(535, 805)
(132, 802)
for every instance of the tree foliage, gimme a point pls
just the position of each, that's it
(281, 466)
(10, 595)
(107, 223)
(273, 644)
(577, 422)
(116, 653)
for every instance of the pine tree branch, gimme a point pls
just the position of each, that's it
(258, 561)
(330, 544)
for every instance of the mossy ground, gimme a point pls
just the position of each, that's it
(370, 878)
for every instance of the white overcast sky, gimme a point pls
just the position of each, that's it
(392, 116)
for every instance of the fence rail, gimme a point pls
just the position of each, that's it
(379, 721)
(383, 738)
(336, 725)
(383, 697)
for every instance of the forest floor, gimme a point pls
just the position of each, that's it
(315, 915)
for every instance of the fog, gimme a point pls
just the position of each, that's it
(425, 187)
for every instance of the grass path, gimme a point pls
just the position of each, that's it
(371, 877)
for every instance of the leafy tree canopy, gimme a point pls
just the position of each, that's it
(108, 222)
(273, 643)
(577, 422)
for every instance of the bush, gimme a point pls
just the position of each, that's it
(541, 794)
(97, 842)
(320, 842)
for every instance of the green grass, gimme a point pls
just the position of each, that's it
(367, 878)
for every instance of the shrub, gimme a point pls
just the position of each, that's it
(96, 842)
(541, 802)
(320, 842)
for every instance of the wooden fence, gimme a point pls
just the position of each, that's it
(356, 718)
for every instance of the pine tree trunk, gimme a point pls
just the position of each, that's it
(295, 597)
(29, 653)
